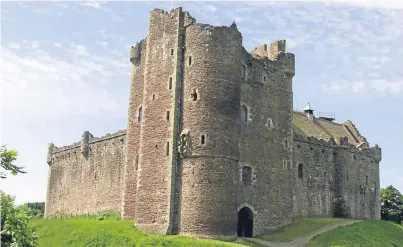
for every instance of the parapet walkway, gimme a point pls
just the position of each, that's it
(302, 241)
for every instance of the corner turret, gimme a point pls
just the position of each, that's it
(135, 54)
(85, 146)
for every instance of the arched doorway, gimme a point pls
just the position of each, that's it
(245, 223)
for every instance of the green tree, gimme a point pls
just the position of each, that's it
(7, 159)
(36, 209)
(15, 231)
(391, 204)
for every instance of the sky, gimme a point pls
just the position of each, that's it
(65, 69)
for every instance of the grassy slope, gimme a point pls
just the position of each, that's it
(91, 232)
(300, 228)
(372, 233)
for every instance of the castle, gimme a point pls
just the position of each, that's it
(213, 147)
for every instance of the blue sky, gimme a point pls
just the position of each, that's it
(65, 69)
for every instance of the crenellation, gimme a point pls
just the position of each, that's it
(211, 126)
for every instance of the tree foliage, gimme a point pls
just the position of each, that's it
(7, 159)
(35, 209)
(15, 231)
(391, 204)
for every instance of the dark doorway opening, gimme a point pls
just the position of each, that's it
(245, 223)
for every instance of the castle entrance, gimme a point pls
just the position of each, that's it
(245, 223)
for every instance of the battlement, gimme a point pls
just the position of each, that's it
(52, 149)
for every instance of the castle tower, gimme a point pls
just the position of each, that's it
(211, 119)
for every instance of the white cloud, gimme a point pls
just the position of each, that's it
(383, 86)
(14, 46)
(102, 43)
(56, 44)
(211, 7)
(391, 4)
(36, 83)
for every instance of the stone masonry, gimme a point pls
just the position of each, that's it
(213, 147)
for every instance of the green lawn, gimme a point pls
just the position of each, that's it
(300, 228)
(372, 233)
(107, 233)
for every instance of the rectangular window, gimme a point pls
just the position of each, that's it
(167, 149)
(167, 115)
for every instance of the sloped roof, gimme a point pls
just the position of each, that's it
(321, 128)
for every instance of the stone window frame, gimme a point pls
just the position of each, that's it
(167, 149)
(286, 143)
(252, 175)
(300, 171)
(285, 164)
(243, 72)
(170, 82)
(203, 138)
(195, 90)
(140, 114)
(270, 123)
(248, 113)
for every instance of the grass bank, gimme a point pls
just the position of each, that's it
(372, 233)
(300, 228)
(90, 232)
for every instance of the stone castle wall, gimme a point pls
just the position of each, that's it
(79, 184)
(338, 181)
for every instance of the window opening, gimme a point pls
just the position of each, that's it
(244, 114)
(190, 60)
(300, 171)
(247, 175)
(194, 95)
(170, 82)
(167, 149)
(243, 72)
(167, 116)
(172, 52)
(140, 114)
(202, 139)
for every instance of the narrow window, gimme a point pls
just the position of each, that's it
(167, 116)
(286, 143)
(264, 78)
(366, 180)
(170, 83)
(300, 171)
(153, 96)
(244, 114)
(137, 162)
(190, 60)
(194, 95)
(167, 149)
(347, 175)
(202, 139)
(172, 52)
(140, 114)
(247, 175)
(243, 70)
